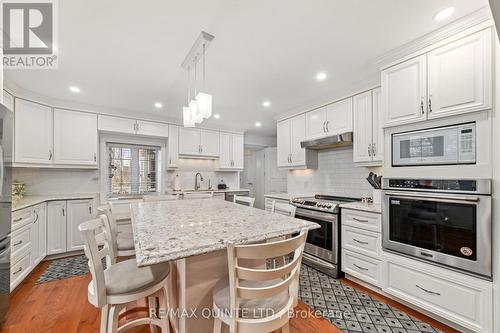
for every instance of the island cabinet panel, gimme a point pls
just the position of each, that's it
(33, 133)
(56, 227)
(75, 137)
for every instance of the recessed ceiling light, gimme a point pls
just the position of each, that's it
(216, 116)
(444, 14)
(158, 105)
(258, 124)
(266, 104)
(321, 76)
(74, 89)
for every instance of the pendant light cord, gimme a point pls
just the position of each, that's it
(204, 65)
(195, 63)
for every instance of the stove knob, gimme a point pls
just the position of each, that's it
(329, 206)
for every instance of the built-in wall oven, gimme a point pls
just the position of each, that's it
(454, 144)
(447, 222)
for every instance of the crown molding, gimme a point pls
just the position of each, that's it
(480, 16)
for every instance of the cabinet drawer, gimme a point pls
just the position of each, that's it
(19, 270)
(363, 220)
(362, 241)
(460, 301)
(362, 267)
(22, 217)
(21, 239)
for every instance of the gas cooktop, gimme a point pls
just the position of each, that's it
(323, 203)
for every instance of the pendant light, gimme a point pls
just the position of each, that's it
(204, 100)
(186, 111)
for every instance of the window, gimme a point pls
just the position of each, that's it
(132, 169)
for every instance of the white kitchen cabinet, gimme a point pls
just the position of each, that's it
(78, 211)
(75, 138)
(316, 123)
(116, 124)
(231, 150)
(198, 142)
(56, 227)
(6, 140)
(33, 133)
(368, 134)
(291, 155)
(149, 128)
(404, 91)
(460, 76)
(339, 117)
(38, 242)
(173, 147)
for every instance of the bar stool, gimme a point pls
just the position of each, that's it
(283, 209)
(111, 289)
(248, 201)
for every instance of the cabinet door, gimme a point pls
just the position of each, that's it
(238, 151)
(150, 128)
(283, 142)
(56, 227)
(362, 144)
(33, 133)
(316, 123)
(298, 134)
(189, 141)
(7, 139)
(377, 130)
(116, 124)
(339, 117)
(173, 146)
(41, 212)
(460, 76)
(78, 211)
(404, 92)
(35, 243)
(209, 143)
(75, 138)
(226, 151)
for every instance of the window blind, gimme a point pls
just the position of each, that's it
(132, 169)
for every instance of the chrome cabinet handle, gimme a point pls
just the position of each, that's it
(370, 150)
(36, 216)
(90, 210)
(18, 219)
(430, 105)
(18, 270)
(63, 212)
(422, 106)
(50, 154)
(360, 242)
(359, 220)
(428, 291)
(327, 123)
(95, 157)
(18, 243)
(361, 268)
(374, 149)
(324, 127)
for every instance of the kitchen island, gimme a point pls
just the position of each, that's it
(192, 234)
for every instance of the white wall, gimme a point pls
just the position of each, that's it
(336, 175)
(41, 181)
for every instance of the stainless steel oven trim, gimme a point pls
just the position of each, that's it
(329, 217)
(483, 186)
(483, 266)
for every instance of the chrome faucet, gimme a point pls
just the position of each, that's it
(196, 185)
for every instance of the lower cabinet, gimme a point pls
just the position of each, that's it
(63, 218)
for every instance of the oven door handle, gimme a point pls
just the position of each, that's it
(319, 216)
(434, 198)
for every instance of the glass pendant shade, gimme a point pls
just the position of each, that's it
(204, 104)
(188, 119)
(195, 112)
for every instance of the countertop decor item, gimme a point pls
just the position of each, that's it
(18, 191)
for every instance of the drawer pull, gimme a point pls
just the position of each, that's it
(359, 220)
(361, 268)
(360, 242)
(18, 219)
(428, 291)
(18, 243)
(18, 270)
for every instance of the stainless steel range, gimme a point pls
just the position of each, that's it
(322, 249)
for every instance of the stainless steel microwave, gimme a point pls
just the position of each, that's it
(454, 144)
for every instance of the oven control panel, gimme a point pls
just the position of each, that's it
(434, 184)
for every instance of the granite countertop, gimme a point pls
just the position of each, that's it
(367, 207)
(172, 230)
(31, 200)
(282, 196)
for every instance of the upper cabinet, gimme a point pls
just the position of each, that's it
(33, 133)
(75, 137)
(173, 147)
(452, 79)
(368, 134)
(6, 138)
(231, 149)
(328, 120)
(198, 142)
(290, 154)
(132, 126)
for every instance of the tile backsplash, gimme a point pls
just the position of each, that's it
(336, 175)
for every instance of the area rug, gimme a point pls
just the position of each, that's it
(64, 268)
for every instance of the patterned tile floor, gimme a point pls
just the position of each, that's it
(351, 310)
(64, 268)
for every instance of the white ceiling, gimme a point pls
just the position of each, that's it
(125, 55)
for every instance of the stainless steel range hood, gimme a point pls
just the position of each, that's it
(332, 141)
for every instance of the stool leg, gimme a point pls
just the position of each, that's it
(114, 311)
(165, 321)
(152, 305)
(104, 318)
(217, 325)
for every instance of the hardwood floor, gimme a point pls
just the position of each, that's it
(62, 307)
